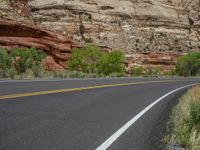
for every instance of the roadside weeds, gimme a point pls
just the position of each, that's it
(185, 123)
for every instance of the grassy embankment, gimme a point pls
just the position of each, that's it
(185, 122)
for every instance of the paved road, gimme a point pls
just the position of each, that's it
(50, 118)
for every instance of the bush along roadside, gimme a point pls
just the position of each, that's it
(188, 65)
(6, 67)
(185, 122)
(21, 63)
(88, 62)
(92, 60)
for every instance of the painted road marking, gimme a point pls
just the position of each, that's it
(105, 145)
(3, 97)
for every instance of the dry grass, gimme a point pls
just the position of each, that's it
(185, 120)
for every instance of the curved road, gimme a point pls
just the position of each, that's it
(114, 114)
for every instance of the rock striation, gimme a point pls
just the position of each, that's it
(164, 62)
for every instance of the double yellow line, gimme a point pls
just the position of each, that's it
(3, 97)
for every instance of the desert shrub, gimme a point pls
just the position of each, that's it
(195, 113)
(28, 58)
(6, 68)
(137, 71)
(20, 61)
(85, 59)
(188, 65)
(173, 72)
(156, 71)
(92, 60)
(111, 63)
(5, 63)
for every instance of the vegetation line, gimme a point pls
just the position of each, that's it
(88, 62)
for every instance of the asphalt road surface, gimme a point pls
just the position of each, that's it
(89, 114)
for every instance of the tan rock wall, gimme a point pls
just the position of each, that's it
(150, 25)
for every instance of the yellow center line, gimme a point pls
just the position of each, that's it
(78, 89)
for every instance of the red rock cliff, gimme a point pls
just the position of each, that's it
(16, 35)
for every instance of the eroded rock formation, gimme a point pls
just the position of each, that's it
(154, 60)
(15, 35)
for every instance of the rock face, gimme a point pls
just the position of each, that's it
(15, 35)
(152, 60)
(131, 25)
(137, 27)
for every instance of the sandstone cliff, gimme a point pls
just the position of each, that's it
(138, 27)
(16, 35)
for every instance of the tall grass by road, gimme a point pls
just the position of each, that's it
(185, 121)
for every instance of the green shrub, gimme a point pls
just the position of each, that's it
(28, 58)
(137, 71)
(6, 67)
(5, 59)
(92, 60)
(188, 65)
(85, 59)
(173, 72)
(156, 71)
(21, 61)
(195, 113)
(111, 63)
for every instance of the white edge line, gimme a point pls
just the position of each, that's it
(118, 133)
